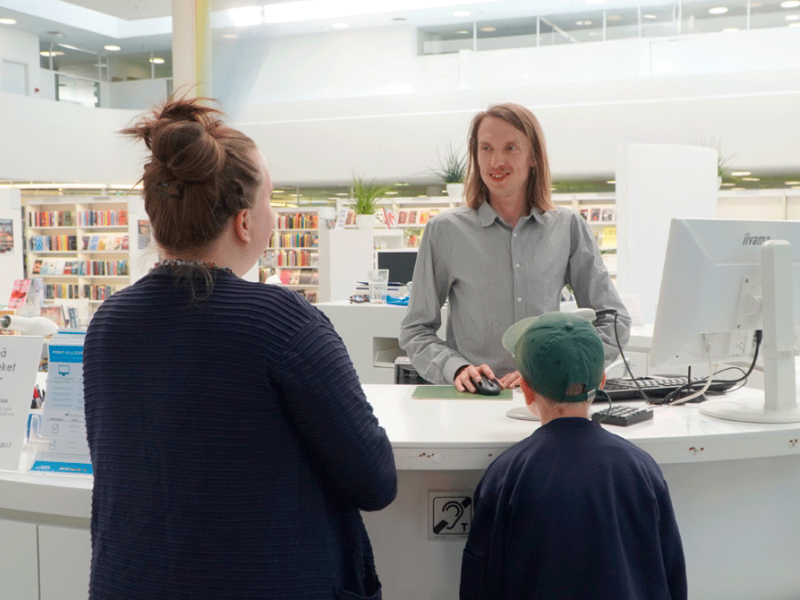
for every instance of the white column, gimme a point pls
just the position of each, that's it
(191, 47)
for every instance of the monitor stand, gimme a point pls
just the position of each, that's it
(778, 403)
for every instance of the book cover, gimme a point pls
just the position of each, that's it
(412, 217)
(584, 212)
(607, 214)
(19, 293)
(424, 215)
(94, 242)
(402, 217)
(594, 215)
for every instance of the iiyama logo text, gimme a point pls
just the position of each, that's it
(754, 240)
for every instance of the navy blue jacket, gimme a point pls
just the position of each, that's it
(232, 447)
(573, 512)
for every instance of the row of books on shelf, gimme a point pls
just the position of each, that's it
(415, 216)
(53, 243)
(51, 218)
(69, 243)
(80, 267)
(598, 213)
(102, 218)
(298, 221)
(298, 240)
(296, 258)
(72, 291)
(298, 277)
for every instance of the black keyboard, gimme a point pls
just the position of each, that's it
(655, 387)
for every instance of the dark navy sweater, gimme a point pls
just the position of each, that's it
(573, 512)
(232, 447)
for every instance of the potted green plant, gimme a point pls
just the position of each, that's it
(451, 169)
(365, 200)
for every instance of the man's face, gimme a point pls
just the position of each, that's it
(504, 159)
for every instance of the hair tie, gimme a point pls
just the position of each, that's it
(170, 190)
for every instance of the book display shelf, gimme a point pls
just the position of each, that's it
(78, 246)
(293, 253)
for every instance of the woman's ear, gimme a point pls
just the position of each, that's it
(241, 223)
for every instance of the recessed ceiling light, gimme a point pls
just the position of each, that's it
(740, 173)
(461, 13)
(157, 61)
(342, 194)
(583, 23)
(751, 179)
(614, 18)
(340, 25)
(7, 21)
(230, 36)
(392, 193)
(611, 181)
(112, 48)
(488, 29)
(463, 32)
(792, 17)
(790, 4)
(727, 184)
(718, 10)
(649, 16)
(793, 183)
(53, 53)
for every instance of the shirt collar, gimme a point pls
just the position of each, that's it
(487, 215)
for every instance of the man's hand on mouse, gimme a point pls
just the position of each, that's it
(465, 375)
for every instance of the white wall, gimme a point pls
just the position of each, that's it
(22, 48)
(136, 95)
(45, 141)
(319, 106)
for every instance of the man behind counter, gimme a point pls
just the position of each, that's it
(505, 255)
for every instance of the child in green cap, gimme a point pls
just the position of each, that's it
(572, 511)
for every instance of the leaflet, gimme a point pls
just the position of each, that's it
(65, 449)
(19, 361)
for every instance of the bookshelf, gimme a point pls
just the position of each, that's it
(78, 246)
(293, 253)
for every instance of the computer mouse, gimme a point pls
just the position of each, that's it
(487, 387)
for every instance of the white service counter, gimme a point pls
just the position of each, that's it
(735, 486)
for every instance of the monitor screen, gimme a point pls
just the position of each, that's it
(399, 262)
(721, 283)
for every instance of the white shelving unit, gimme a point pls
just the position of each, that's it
(294, 251)
(79, 247)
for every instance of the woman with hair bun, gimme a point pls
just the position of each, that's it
(231, 442)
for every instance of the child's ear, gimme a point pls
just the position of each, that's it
(527, 391)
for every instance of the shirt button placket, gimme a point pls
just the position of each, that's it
(519, 305)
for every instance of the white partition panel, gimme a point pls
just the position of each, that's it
(19, 561)
(656, 183)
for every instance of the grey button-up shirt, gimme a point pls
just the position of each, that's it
(493, 276)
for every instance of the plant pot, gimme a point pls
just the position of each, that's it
(365, 221)
(455, 190)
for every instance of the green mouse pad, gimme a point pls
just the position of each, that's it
(448, 392)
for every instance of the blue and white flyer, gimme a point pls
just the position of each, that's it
(64, 449)
(19, 361)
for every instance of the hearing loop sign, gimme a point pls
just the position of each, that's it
(450, 514)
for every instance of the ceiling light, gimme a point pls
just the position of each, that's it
(53, 53)
(740, 173)
(246, 16)
(488, 29)
(399, 19)
(7, 21)
(737, 189)
(792, 17)
(793, 183)
(342, 194)
(790, 4)
(649, 16)
(55, 34)
(727, 184)
(461, 13)
(614, 18)
(751, 179)
(611, 181)
(392, 193)
(230, 36)
(112, 48)
(463, 32)
(582, 23)
(340, 25)
(718, 10)
(157, 61)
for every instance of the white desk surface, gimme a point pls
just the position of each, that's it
(444, 435)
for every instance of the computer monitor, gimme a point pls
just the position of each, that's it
(400, 263)
(723, 280)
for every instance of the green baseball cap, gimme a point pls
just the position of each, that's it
(556, 350)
